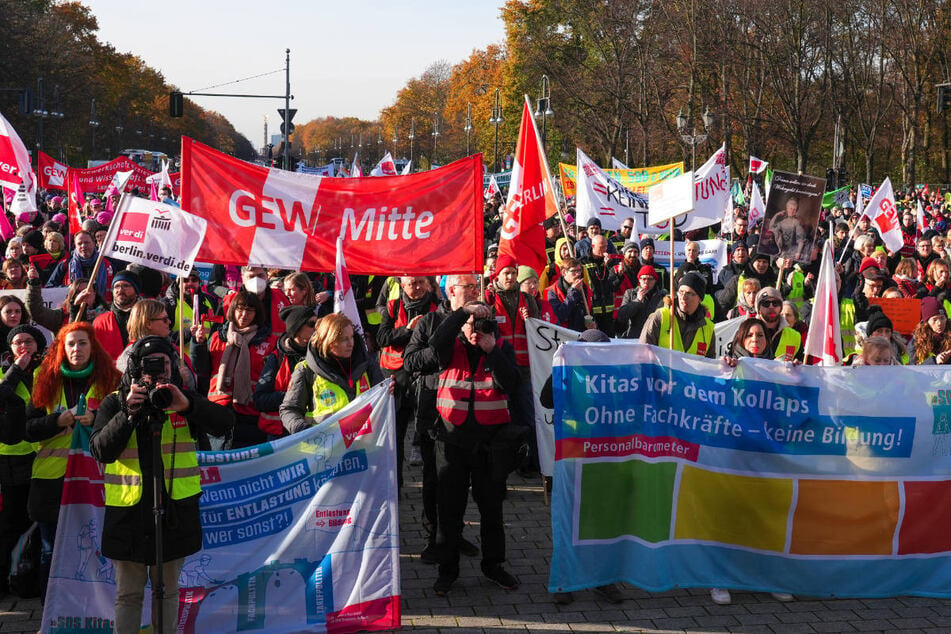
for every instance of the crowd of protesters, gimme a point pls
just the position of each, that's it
(266, 356)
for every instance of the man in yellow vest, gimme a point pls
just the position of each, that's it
(685, 322)
(151, 402)
(783, 342)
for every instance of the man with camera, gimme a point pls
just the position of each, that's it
(150, 418)
(478, 373)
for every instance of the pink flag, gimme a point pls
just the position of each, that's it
(6, 231)
(344, 301)
(824, 341)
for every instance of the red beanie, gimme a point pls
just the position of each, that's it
(505, 260)
(647, 269)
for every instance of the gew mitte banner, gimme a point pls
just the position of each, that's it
(422, 224)
(638, 179)
(673, 470)
(53, 175)
(300, 535)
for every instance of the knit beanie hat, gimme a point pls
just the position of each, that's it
(695, 282)
(647, 269)
(526, 273)
(929, 308)
(295, 317)
(30, 330)
(877, 319)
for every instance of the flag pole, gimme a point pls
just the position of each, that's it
(673, 321)
(181, 318)
(110, 235)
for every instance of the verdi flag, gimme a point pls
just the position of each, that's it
(160, 236)
(757, 165)
(835, 198)
(757, 207)
(881, 209)
(530, 201)
(15, 169)
(386, 166)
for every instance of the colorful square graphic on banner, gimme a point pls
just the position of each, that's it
(839, 517)
(626, 498)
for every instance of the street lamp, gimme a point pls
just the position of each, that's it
(468, 127)
(692, 138)
(435, 137)
(93, 124)
(412, 138)
(627, 147)
(118, 135)
(543, 108)
(495, 120)
(40, 112)
(396, 140)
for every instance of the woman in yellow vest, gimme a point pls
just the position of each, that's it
(75, 375)
(335, 370)
(27, 345)
(122, 439)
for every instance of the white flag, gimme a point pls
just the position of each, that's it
(344, 301)
(119, 181)
(15, 170)
(386, 167)
(757, 207)
(407, 168)
(492, 189)
(600, 196)
(920, 218)
(355, 171)
(711, 185)
(618, 165)
(757, 166)
(824, 341)
(881, 210)
(860, 202)
(153, 234)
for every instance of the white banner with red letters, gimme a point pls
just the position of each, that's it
(53, 174)
(299, 535)
(426, 224)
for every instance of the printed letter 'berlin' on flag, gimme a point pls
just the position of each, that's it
(15, 170)
(159, 236)
(531, 199)
(881, 210)
(422, 224)
(824, 342)
(344, 302)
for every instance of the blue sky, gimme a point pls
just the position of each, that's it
(347, 58)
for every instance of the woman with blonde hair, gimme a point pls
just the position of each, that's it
(336, 369)
(76, 374)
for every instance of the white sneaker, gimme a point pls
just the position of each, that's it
(721, 596)
(783, 597)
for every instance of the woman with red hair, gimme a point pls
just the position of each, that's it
(75, 375)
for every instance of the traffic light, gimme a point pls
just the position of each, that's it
(944, 97)
(830, 179)
(843, 177)
(176, 104)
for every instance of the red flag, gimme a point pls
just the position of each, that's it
(530, 201)
(428, 223)
(52, 173)
(77, 199)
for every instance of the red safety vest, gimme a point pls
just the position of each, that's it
(108, 335)
(619, 293)
(270, 422)
(513, 333)
(391, 357)
(458, 386)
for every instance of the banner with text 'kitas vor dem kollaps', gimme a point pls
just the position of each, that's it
(673, 470)
(421, 224)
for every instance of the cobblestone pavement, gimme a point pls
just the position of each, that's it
(477, 605)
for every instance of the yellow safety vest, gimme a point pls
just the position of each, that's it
(328, 397)
(789, 343)
(51, 454)
(702, 340)
(22, 448)
(184, 315)
(847, 327)
(374, 318)
(797, 292)
(123, 478)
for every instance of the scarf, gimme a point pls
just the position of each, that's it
(234, 372)
(78, 267)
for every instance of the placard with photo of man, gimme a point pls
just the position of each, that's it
(792, 215)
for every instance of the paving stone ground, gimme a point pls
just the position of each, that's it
(477, 605)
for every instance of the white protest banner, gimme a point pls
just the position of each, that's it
(543, 339)
(670, 198)
(712, 252)
(53, 298)
(159, 236)
(300, 535)
(601, 196)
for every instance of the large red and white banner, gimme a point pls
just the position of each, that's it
(16, 173)
(422, 224)
(53, 174)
